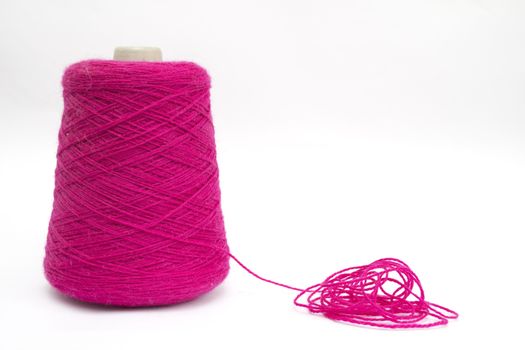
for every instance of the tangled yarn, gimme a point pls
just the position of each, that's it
(137, 218)
(385, 294)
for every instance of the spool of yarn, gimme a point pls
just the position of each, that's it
(137, 218)
(137, 200)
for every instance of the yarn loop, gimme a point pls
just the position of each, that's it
(385, 293)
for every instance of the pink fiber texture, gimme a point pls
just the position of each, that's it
(136, 217)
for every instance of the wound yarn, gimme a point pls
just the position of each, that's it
(137, 218)
(137, 200)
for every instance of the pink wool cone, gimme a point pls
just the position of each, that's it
(136, 218)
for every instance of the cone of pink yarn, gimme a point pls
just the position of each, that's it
(136, 218)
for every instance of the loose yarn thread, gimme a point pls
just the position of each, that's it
(137, 219)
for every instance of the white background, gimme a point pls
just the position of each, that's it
(346, 131)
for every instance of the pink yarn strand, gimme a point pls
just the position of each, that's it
(385, 294)
(136, 216)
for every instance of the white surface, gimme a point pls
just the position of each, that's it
(346, 131)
